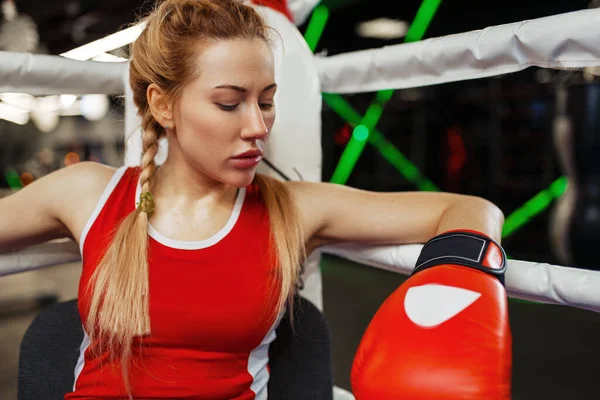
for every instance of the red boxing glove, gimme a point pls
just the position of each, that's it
(444, 333)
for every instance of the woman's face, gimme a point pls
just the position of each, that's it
(223, 117)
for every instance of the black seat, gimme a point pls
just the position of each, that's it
(300, 359)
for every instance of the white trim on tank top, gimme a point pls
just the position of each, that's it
(258, 362)
(85, 343)
(200, 244)
(112, 184)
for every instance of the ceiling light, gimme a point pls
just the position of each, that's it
(66, 100)
(382, 28)
(24, 101)
(45, 114)
(94, 106)
(108, 43)
(106, 57)
(13, 114)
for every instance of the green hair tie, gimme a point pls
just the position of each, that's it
(146, 203)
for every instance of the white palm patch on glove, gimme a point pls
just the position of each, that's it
(431, 305)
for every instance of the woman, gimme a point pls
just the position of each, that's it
(188, 268)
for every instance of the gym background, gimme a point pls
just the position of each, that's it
(490, 137)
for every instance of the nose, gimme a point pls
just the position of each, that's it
(254, 125)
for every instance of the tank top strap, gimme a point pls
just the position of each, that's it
(116, 202)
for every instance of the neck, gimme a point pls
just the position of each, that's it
(179, 179)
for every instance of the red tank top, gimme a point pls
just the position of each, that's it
(210, 333)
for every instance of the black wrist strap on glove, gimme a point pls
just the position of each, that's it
(466, 248)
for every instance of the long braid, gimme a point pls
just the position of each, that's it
(119, 291)
(150, 140)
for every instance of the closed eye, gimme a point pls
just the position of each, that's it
(227, 107)
(233, 107)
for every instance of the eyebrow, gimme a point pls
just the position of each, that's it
(243, 90)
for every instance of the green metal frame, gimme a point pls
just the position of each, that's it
(348, 160)
(365, 127)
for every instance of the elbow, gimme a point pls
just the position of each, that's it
(494, 212)
(477, 213)
(499, 215)
(491, 217)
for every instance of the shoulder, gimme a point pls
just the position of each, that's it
(311, 193)
(91, 168)
(322, 204)
(84, 183)
(81, 177)
(311, 199)
(85, 176)
(318, 198)
(300, 191)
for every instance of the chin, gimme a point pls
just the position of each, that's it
(240, 179)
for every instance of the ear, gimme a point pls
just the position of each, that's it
(161, 109)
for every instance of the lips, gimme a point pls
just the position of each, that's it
(249, 154)
(246, 160)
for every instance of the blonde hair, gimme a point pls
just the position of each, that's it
(164, 54)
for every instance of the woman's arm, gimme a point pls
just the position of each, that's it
(51, 207)
(334, 213)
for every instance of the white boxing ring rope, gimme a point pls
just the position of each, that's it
(563, 41)
(47, 75)
(539, 282)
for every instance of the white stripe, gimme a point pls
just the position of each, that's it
(85, 343)
(105, 195)
(432, 304)
(258, 361)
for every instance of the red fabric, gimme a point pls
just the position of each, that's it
(207, 309)
(277, 5)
